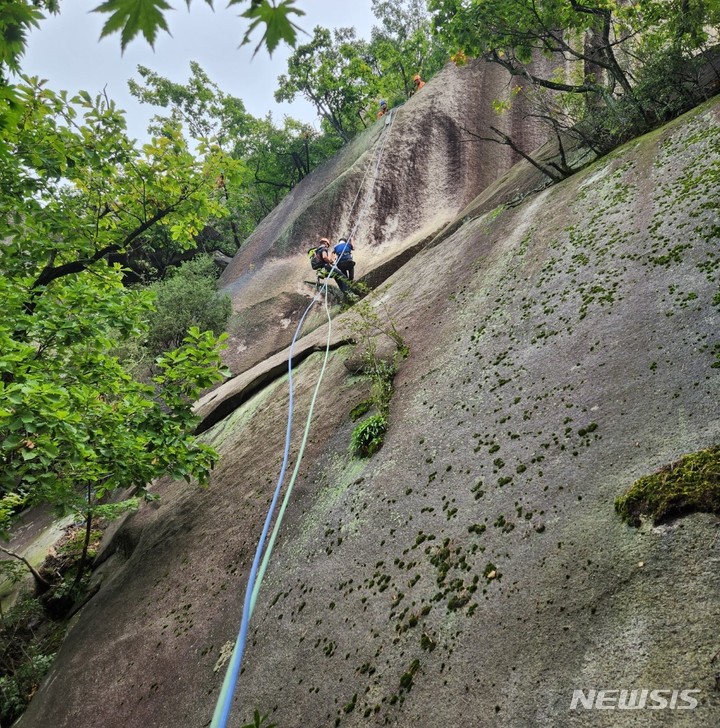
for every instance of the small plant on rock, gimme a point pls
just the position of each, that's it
(259, 721)
(369, 328)
(367, 438)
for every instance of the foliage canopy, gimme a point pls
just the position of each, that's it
(601, 71)
(75, 191)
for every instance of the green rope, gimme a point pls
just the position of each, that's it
(296, 470)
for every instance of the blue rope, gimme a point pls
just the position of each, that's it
(224, 704)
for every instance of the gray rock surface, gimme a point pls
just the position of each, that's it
(394, 185)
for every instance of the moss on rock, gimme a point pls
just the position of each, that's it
(685, 486)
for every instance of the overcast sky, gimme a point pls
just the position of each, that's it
(66, 51)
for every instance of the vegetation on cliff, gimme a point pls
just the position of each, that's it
(689, 484)
(614, 70)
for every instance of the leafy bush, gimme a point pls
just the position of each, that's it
(16, 690)
(381, 374)
(188, 298)
(12, 703)
(666, 85)
(28, 644)
(367, 438)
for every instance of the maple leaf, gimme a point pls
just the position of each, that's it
(276, 18)
(131, 17)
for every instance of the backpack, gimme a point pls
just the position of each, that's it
(316, 260)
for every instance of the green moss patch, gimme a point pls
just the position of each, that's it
(685, 486)
(360, 409)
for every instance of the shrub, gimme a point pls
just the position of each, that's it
(28, 643)
(368, 326)
(188, 298)
(16, 690)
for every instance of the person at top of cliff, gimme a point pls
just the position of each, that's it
(383, 108)
(344, 260)
(418, 83)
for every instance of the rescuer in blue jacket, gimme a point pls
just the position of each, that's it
(344, 261)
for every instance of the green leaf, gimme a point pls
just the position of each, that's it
(12, 441)
(15, 397)
(131, 17)
(278, 25)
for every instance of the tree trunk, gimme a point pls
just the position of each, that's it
(83, 556)
(221, 183)
(86, 543)
(41, 584)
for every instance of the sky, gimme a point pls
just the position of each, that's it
(66, 51)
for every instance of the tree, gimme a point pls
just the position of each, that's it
(403, 45)
(263, 160)
(130, 18)
(332, 74)
(75, 426)
(630, 63)
(187, 298)
(514, 33)
(600, 38)
(206, 111)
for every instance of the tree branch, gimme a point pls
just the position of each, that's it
(505, 139)
(41, 583)
(52, 273)
(494, 57)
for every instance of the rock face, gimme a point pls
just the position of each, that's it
(393, 186)
(472, 572)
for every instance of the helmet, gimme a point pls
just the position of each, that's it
(323, 240)
(416, 78)
(383, 102)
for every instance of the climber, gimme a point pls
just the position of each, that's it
(343, 256)
(418, 83)
(383, 108)
(323, 262)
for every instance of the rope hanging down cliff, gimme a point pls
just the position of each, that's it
(257, 570)
(286, 499)
(376, 167)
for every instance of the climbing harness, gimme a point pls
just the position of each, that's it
(258, 568)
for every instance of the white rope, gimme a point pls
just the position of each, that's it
(385, 135)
